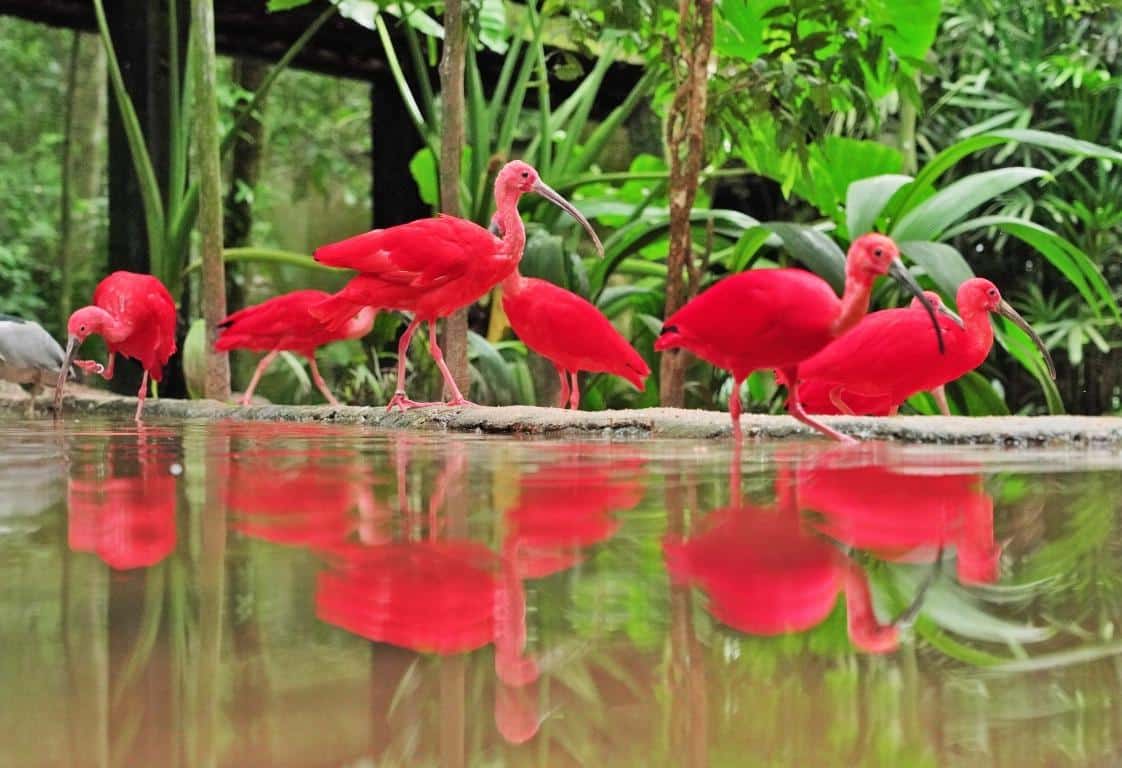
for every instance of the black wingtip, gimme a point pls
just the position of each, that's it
(668, 329)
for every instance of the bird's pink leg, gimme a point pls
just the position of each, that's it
(836, 399)
(141, 394)
(321, 385)
(438, 356)
(266, 361)
(734, 407)
(574, 392)
(399, 399)
(940, 395)
(564, 398)
(795, 408)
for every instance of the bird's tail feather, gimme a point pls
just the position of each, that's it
(335, 312)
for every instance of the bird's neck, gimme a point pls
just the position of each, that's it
(854, 304)
(979, 330)
(510, 223)
(514, 283)
(113, 329)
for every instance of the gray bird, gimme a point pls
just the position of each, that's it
(29, 356)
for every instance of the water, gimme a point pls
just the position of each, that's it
(289, 595)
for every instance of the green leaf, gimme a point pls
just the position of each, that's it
(1072, 262)
(979, 396)
(942, 262)
(929, 219)
(268, 256)
(814, 249)
(424, 172)
(283, 5)
(493, 30)
(1017, 343)
(194, 358)
(865, 200)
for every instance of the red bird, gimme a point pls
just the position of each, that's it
(135, 315)
(433, 267)
(778, 318)
(570, 332)
(285, 323)
(883, 361)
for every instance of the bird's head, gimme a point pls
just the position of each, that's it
(84, 322)
(873, 255)
(518, 178)
(978, 295)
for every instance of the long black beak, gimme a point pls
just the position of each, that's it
(1005, 309)
(72, 344)
(901, 273)
(554, 197)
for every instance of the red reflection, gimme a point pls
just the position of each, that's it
(779, 568)
(766, 574)
(128, 518)
(903, 515)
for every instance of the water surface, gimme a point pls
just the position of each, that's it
(244, 594)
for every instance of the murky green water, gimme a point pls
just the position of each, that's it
(290, 595)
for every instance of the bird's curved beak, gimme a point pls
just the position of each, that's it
(945, 312)
(554, 197)
(72, 344)
(1005, 309)
(901, 274)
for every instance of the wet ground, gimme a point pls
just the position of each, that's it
(270, 594)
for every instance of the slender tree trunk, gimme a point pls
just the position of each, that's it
(685, 143)
(454, 339)
(82, 161)
(209, 169)
(245, 166)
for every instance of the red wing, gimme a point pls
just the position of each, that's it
(276, 314)
(423, 253)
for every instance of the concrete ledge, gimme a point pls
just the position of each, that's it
(1010, 431)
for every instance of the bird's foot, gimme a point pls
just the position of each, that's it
(90, 366)
(461, 400)
(399, 400)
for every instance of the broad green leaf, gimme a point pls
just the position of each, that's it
(942, 262)
(423, 170)
(865, 200)
(950, 156)
(979, 396)
(494, 372)
(194, 358)
(493, 30)
(814, 249)
(1065, 256)
(835, 163)
(1017, 343)
(929, 219)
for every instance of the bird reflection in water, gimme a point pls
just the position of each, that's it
(779, 568)
(433, 590)
(128, 518)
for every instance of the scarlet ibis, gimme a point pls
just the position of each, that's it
(884, 359)
(29, 356)
(778, 318)
(433, 267)
(135, 315)
(570, 332)
(285, 323)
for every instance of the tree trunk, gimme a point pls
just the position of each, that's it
(454, 339)
(685, 143)
(83, 162)
(245, 166)
(209, 170)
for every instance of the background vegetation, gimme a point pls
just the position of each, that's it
(819, 116)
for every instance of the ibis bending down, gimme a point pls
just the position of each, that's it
(29, 356)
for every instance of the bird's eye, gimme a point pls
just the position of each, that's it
(992, 292)
(525, 174)
(82, 328)
(878, 252)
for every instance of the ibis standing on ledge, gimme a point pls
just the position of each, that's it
(135, 315)
(29, 356)
(433, 267)
(777, 318)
